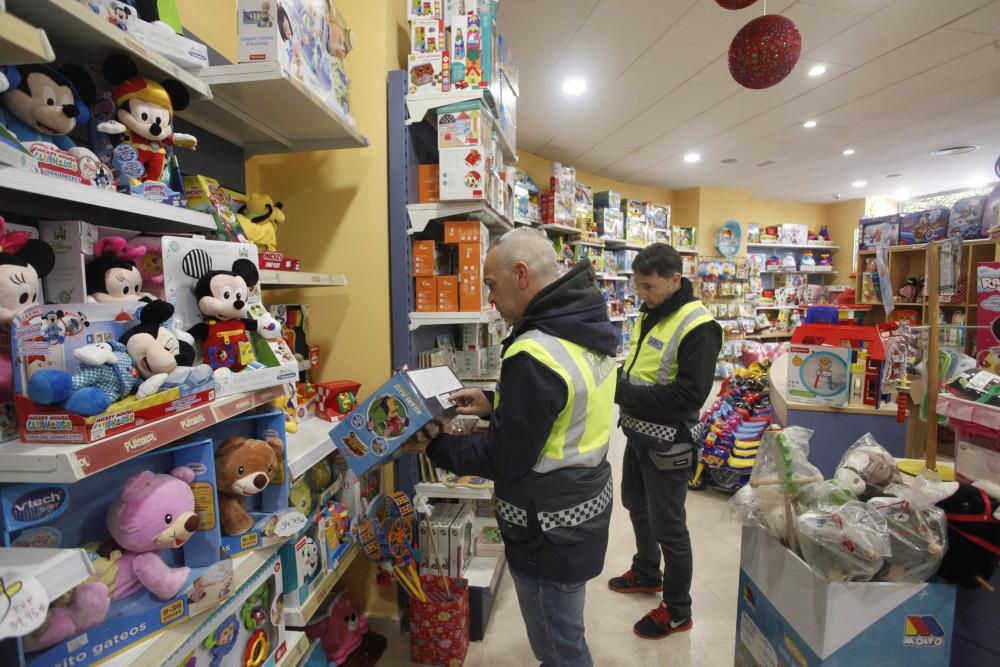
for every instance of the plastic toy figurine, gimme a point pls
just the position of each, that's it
(807, 263)
(773, 263)
(339, 627)
(788, 262)
(910, 291)
(243, 467)
(825, 259)
(824, 234)
(222, 642)
(106, 374)
(162, 356)
(260, 218)
(112, 276)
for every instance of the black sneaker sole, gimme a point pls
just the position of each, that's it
(680, 628)
(636, 589)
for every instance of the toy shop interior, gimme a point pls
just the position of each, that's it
(244, 265)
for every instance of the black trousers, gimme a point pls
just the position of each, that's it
(655, 501)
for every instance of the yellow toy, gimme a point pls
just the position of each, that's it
(260, 218)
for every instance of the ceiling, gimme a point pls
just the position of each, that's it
(904, 77)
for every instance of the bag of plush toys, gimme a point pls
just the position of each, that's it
(867, 468)
(848, 542)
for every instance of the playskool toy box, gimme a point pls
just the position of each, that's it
(399, 408)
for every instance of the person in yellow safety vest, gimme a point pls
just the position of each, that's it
(546, 448)
(666, 378)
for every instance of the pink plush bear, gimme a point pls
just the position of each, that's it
(153, 512)
(340, 628)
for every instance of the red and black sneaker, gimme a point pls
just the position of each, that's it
(658, 624)
(627, 583)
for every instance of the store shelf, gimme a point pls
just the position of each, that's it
(300, 616)
(589, 242)
(779, 246)
(923, 246)
(418, 320)
(51, 198)
(614, 243)
(632, 315)
(773, 336)
(308, 446)
(617, 319)
(22, 43)
(422, 214)
(686, 251)
(297, 645)
(527, 222)
(290, 279)
(58, 463)
(419, 105)
(259, 107)
(799, 273)
(561, 230)
(780, 307)
(57, 570)
(612, 277)
(439, 490)
(84, 37)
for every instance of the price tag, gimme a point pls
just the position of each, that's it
(23, 606)
(290, 524)
(981, 381)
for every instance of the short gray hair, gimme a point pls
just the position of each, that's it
(528, 245)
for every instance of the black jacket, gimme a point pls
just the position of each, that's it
(676, 404)
(531, 397)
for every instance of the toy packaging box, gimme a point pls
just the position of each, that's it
(786, 615)
(610, 223)
(399, 408)
(685, 238)
(791, 234)
(427, 36)
(819, 375)
(205, 194)
(74, 516)
(988, 315)
(426, 72)
(464, 124)
(966, 220)
(45, 337)
(878, 231)
(924, 226)
(473, 51)
(423, 9)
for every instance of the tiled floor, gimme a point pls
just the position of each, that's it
(610, 616)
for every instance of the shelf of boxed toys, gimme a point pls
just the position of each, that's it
(68, 463)
(289, 279)
(57, 570)
(422, 214)
(923, 246)
(418, 320)
(419, 106)
(617, 318)
(612, 277)
(308, 446)
(588, 242)
(46, 197)
(83, 37)
(22, 43)
(799, 273)
(259, 107)
(778, 246)
(300, 616)
(527, 222)
(560, 230)
(439, 490)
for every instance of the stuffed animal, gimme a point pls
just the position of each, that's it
(310, 557)
(973, 512)
(162, 358)
(223, 300)
(300, 497)
(243, 467)
(917, 539)
(112, 276)
(106, 374)
(154, 512)
(867, 468)
(150, 264)
(146, 114)
(339, 627)
(844, 543)
(41, 103)
(260, 218)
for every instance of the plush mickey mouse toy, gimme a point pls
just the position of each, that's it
(41, 103)
(112, 277)
(223, 300)
(162, 358)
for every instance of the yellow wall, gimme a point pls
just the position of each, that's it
(842, 220)
(540, 169)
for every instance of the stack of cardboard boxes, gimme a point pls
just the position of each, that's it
(470, 160)
(451, 530)
(449, 278)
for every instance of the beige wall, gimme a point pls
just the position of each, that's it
(540, 169)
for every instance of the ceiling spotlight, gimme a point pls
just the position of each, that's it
(848, 151)
(692, 158)
(948, 151)
(575, 86)
(817, 70)
(859, 184)
(903, 193)
(809, 124)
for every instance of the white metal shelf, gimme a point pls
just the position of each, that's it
(561, 230)
(418, 320)
(260, 107)
(617, 318)
(419, 105)
(612, 277)
(57, 570)
(86, 38)
(51, 198)
(439, 490)
(422, 214)
(589, 242)
(289, 279)
(780, 246)
(308, 446)
(22, 43)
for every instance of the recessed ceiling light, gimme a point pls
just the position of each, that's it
(809, 124)
(817, 70)
(859, 184)
(848, 151)
(729, 160)
(954, 150)
(903, 193)
(692, 157)
(765, 163)
(575, 86)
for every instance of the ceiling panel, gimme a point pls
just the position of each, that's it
(985, 20)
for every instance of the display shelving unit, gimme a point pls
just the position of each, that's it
(22, 43)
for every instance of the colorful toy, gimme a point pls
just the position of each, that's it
(301, 497)
(163, 359)
(788, 262)
(916, 538)
(41, 103)
(773, 263)
(106, 374)
(867, 468)
(878, 231)
(807, 263)
(924, 226)
(824, 234)
(973, 513)
(339, 627)
(825, 260)
(112, 276)
(260, 218)
(222, 642)
(150, 263)
(243, 467)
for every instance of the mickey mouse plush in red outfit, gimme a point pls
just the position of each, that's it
(146, 113)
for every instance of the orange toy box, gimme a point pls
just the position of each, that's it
(427, 294)
(428, 183)
(424, 258)
(447, 292)
(470, 273)
(465, 231)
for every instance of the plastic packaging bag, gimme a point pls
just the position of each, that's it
(867, 468)
(763, 507)
(846, 543)
(826, 494)
(918, 539)
(783, 461)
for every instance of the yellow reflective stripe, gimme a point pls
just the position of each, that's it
(600, 396)
(659, 366)
(557, 437)
(668, 364)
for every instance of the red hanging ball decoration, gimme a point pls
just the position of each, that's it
(735, 4)
(764, 51)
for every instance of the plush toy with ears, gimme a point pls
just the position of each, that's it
(243, 467)
(973, 512)
(106, 374)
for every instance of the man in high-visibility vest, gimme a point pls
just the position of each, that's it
(666, 378)
(546, 448)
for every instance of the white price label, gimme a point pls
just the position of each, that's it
(23, 606)
(290, 524)
(981, 381)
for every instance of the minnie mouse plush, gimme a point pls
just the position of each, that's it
(113, 276)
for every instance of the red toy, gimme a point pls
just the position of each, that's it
(337, 399)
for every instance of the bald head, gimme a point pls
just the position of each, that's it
(519, 264)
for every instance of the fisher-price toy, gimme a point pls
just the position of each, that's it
(788, 262)
(222, 642)
(807, 263)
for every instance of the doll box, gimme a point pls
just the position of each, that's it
(819, 375)
(373, 431)
(72, 241)
(988, 315)
(877, 231)
(787, 615)
(924, 226)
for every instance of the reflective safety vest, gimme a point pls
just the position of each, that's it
(652, 360)
(582, 431)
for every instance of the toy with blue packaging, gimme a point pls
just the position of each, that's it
(924, 226)
(966, 220)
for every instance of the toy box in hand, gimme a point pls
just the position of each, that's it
(879, 231)
(819, 375)
(155, 571)
(233, 331)
(73, 402)
(373, 431)
(924, 226)
(988, 298)
(966, 220)
(786, 615)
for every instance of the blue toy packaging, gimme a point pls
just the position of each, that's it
(966, 219)
(152, 573)
(373, 431)
(924, 226)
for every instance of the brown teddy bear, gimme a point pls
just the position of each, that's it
(243, 467)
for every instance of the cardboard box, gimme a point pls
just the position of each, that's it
(924, 226)
(427, 294)
(465, 231)
(427, 36)
(428, 183)
(473, 41)
(423, 9)
(819, 375)
(470, 273)
(373, 431)
(464, 173)
(877, 231)
(426, 73)
(966, 220)
(424, 258)
(988, 315)
(786, 615)
(448, 294)
(460, 540)
(464, 124)
(793, 234)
